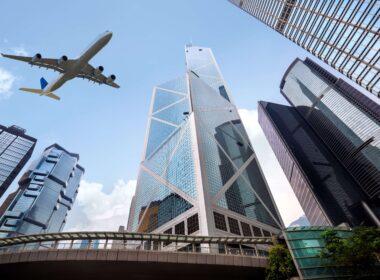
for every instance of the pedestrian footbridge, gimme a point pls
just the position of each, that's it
(122, 255)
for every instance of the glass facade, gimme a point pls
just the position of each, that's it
(16, 149)
(306, 244)
(47, 192)
(232, 176)
(345, 120)
(198, 161)
(326, 191)
(166, 184)
(344, 34)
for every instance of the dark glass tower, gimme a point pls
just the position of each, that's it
(16, 149)
(46, 193)
(326, 191)
(344, 34)
(199, 173)
(341, 127)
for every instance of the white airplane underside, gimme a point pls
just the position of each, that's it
(70, 68)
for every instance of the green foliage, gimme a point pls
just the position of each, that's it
(359, 253)
(281, 264)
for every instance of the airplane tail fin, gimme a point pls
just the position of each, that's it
(43, 83)
(41, 92)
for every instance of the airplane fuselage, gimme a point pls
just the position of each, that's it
(79, 63)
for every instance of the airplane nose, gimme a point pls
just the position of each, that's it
(107, 35)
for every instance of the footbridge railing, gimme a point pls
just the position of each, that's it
(248, 246)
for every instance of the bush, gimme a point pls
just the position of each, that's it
(359, 253)
(281, 264)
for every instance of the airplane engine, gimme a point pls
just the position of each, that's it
(110, 79)
(62, 60)
(98, 70)
(36, 57)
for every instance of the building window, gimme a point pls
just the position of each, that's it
(39, 178)
(220, 221)
(168, 231)
(180, 228)
(234, 226)
(192, 224)
(223, 93)
(11, 222)
(266, 233)
(256, 231)
(33, 187)
(46, 166)
(263, 253)
(246, 229)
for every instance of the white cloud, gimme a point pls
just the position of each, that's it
(6, 82)
(20, 50)
(282, 192)
(96, 210)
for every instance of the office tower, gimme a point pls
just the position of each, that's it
(338, 143)
(46, 193)
(344, 34)
(120, 244)
(89, 244)
(326, 191)
(16, 149)
(130, 216)
(199, 173)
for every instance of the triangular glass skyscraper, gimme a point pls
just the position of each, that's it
(199, 173)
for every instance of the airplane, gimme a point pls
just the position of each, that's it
(69, 68)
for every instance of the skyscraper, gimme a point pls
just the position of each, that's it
(327, 193)
(329, 146)
(199, 173)
(16, 149)
(46, 193)
(344, 34)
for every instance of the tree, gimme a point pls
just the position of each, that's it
(281, 264)
(359, 252)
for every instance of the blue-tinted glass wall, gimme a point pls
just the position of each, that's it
(306, 245)
(230, 170)
(346, 121)
(166, 182)
(326, 191)
(47, 192)
(16, 149)
(198, 162)
(344, 34)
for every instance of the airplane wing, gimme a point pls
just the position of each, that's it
(88, 73)
(48, 63)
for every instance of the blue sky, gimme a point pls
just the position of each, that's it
(106, 126)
